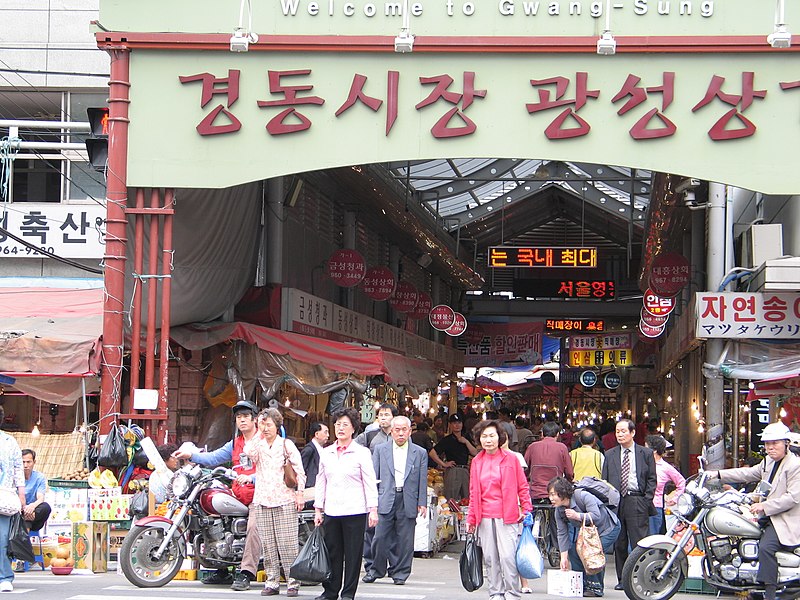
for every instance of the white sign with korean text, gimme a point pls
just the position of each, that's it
(67, 230)
(610, 341)
(747, 315)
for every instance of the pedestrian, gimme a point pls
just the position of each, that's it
(586, 461)
(422, 439)
(504, 414)
(12, 477)
(276, 504)
(157, 483)
(244, 415)
(547, 458)
(498, 499)
(456, 448)
(310, 456)
(35, 511)
(665, 473)
(524, 435)
(631, 469)
(401, 468)
(573, 506)
(347, 501)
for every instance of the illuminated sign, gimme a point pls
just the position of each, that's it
(582, 289)
(611, 341)
(542, 256)
(559, 325)
(600, 358)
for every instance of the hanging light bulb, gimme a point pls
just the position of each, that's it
(669, 398)
(782, 413)
(700, 428)
(35, 430)
(742, 429)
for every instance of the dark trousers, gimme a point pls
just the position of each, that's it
(394, 542)
(40, 515)
(634, 518)
(344, 537)
(596, 582)
(369, 536)
(768, 545)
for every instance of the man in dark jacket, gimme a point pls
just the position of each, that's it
(310, 457)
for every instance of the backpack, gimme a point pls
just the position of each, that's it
(603, 491)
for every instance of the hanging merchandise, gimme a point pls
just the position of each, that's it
(113, 452)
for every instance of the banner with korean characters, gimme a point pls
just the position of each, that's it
(608, 341)
(496, 344)
(769, 316)
(601, 358)
(68, 230)
(346, 267)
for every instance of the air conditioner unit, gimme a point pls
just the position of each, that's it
(760, 243)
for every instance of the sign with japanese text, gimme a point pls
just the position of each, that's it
(566, 325)
(441, 317)
(600, 358)
(497, 344)
(583, 289)
(548, 256)
(609, 341)
(346, 267)
(458, 327)
(379, 283)
(405, 297)
(656, 305)
(747, 315)
(669, 274)
(68, 230)
(698, 114)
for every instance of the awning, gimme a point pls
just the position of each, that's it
(775, 386)
(336, 356)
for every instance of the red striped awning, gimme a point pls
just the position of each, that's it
(775, 386)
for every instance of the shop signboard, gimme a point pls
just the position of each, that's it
(458, 327)
(759, 418)
(656, 305)
(405, 297)
(583, 289)
(423, 307)
(588, 378)
(573, 325)
(68, 230)
(653, 320)
(669, 274)
(497, 344)
(600, 358)
(608, 341)
(542, 256)
(379, 283)
(612, 380)
(748, 315)
(346, 267)
(441, 317)
(651, 331)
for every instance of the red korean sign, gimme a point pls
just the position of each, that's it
(405, 297)
(650, 331)
(423, 307)
(346, 267)
(458, 327)
(379, 283)
(656, 305)
(669, 274)
(442, 317)
(653, 320)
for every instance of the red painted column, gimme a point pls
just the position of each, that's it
(116, 241)
(166, 299)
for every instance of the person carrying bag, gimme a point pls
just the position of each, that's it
(312, 562)
(590, 548)
(470, 564)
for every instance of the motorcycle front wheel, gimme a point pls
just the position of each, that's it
(140, 566)
(640, 575)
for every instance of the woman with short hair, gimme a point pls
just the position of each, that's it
(665, 473)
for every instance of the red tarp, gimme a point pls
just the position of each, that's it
(775, 386)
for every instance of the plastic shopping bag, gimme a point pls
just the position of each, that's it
(312, 563)
(113, 452)
(530, 563)
(471, 564)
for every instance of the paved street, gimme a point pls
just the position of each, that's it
(432, 579)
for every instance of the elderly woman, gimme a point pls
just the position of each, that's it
(665, 473)
(572, 506)
(276, 505)
(347, 500)
(498, 499)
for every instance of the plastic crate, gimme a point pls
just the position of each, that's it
(67, 483)
(187, 575)
(698, 586)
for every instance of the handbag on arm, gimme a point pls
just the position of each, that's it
(289, 476)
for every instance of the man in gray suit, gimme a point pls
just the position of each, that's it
(631, 469)
(401, 468)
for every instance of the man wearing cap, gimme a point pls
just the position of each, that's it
(456, 448)
(244, 413)
(781, 469)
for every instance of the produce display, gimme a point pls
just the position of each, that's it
(77, 475)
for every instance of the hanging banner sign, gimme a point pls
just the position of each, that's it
(379, 283)
(68, 230)
(498, 344)
(669, 274)
(656, 305)
(756, 315)
(458, 327)
(609, 341)
(346, 267)
(653, 320)
(441, 317)
(423, 307)
(405, 297)
(600, 358)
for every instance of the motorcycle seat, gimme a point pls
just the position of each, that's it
(788, 559)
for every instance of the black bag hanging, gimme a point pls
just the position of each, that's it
(140, 504)
(19, 542)
(471, 564)
(113, 452)
(312, 563)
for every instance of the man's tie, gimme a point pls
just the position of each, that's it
(625, 474)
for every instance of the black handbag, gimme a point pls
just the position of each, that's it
(19, 542)
(113, 452)
(312, 562)
(471, 564)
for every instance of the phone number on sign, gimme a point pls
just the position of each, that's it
(24, 250)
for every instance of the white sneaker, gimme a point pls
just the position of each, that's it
(5, 586)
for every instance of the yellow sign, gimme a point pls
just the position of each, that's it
(600, 358)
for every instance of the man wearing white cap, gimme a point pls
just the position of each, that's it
(782, 505)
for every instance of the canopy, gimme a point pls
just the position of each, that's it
(775, 386)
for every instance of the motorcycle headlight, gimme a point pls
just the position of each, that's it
(181, 483)
(684, 506)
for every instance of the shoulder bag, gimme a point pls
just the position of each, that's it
(289, 476)
(590, 548)
(9, 502)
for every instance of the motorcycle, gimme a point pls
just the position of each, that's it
(204, 513)
(719, 524)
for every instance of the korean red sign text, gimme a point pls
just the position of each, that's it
(557, 325)
(748, 315)
(290, 103)
(529, 257)
(656, 305)
(442, 317)
(379, 283)
(669, 274)
(346, 267)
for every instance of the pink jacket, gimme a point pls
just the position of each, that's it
(516, 495)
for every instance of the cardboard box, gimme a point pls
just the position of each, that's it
(567, 584)
(68, 504)
(109, 505)
(90, 546)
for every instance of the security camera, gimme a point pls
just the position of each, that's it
(780, 38)
(606, 45)
(241, 40)
(687, 185)
(404, 42)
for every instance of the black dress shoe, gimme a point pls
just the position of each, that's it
(619, 587)
(369, 578)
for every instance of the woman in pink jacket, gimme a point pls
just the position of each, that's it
(498, 499)
(665, 473)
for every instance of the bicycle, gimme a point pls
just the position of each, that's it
(543, 531)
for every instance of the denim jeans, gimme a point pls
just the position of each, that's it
(6, 572)
(591, 582)
(656, 521)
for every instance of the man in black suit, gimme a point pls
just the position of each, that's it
(310, 456)
(631, 469)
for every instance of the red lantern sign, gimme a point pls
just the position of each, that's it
(653, 320)
(405, 297)
(346, 267)
(442, 317)
(379, 283)
(656, 305)
(458, 327)
(669, 274)
(424, 304)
